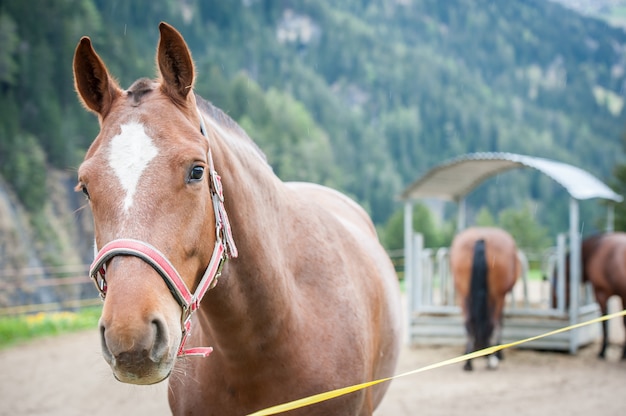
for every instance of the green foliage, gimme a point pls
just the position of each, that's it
(401, 129)
(484, 218)
(24, 327)
(296, 147)
(38, 39)
(619, 186)
(435, 234)
(26, 171)
(301, 148)
(522, 225)
(366, 97)
(8, 47)
(392, 234)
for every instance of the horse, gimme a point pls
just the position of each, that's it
(243, 290)
(485, 267)
(603, 258)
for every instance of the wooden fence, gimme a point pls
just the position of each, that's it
(46, 289)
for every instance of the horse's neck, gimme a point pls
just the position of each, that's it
(253, 294)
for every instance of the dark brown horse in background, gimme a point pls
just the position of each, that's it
(308, 300)
(603, 258)
(485, 266)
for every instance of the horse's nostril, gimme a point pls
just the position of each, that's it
(105, 348)
(160, 346)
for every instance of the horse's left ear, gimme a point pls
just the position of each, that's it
(96, 88)
(175, 63)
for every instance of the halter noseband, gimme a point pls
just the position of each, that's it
(189, 302)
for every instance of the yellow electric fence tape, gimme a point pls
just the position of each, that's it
(296, 404)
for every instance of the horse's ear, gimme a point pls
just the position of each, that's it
(93, 83)
(175, 63)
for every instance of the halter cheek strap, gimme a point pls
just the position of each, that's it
(189, 302)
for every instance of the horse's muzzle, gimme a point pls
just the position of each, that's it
(141, 356)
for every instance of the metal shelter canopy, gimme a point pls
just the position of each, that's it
(454, 179)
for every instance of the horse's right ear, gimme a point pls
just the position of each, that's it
(93, 83)
(175, 63)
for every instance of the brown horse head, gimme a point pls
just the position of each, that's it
(146, 179)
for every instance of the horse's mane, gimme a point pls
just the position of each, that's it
(145, 85)
(224, 120)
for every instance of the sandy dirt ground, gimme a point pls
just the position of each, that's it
(66, 376)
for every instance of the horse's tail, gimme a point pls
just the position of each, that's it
(479, 317)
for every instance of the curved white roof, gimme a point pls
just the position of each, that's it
(456, 178)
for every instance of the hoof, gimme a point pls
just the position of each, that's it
(468, 366)
(492, 362)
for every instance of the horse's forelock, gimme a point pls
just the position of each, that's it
(139, 89)
(143, 86)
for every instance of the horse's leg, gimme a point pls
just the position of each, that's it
(624, 350)
(493, 360)
(624, 318)
(605, 342)
(469, 347)
(603, 302)
(498, 338)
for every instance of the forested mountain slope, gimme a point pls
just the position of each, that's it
(612, 11)
(362, 95)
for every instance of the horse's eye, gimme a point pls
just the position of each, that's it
(196, 174)
(83, 188)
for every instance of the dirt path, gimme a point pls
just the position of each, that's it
(67, 376)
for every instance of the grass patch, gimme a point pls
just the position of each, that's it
(535, 275)
(22, 328)
(17, 329)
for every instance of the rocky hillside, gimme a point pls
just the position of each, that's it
(36, 246)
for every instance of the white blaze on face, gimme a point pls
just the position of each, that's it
(130, 152)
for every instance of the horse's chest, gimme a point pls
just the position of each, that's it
(217, 396)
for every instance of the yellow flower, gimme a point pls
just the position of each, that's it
(35, 319)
